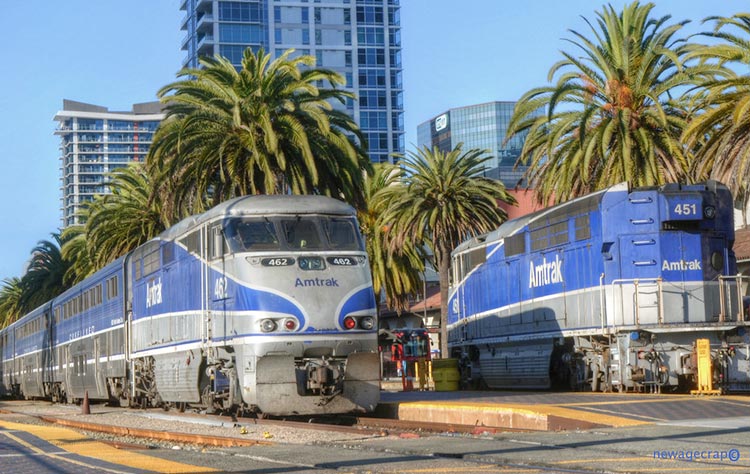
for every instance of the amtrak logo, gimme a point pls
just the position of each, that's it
(316, 282)
(680, 265)
(545, 273)
(153, 293)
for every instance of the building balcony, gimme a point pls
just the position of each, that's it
(89, 149)
(126, 149)
(206, 45)
(205, 23)
(204, 5)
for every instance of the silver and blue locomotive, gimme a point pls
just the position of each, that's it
(262, 303)
(609, 291)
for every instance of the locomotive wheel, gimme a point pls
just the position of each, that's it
(595, 377)
(572, 381)
(207, 400)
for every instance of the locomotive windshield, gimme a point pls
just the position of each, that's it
(244, 235)
(298, 233)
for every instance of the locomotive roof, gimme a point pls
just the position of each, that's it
(512, 226)
(263, 205)
(573, 207)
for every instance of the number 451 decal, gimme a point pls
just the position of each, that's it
(686, 209)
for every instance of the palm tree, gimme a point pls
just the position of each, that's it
(721, 135)
(11, 307)
(45, 275)
(397, 273)
(121, 221)
(610, 116)
(267, 128)
(442, 200)
(78, 252)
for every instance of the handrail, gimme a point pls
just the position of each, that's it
(726, 306)
(636, 282)
(723, 281)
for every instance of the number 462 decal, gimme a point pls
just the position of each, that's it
(220, 288)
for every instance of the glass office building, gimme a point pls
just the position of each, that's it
(360, 39)
(481, 126)
(94, 142)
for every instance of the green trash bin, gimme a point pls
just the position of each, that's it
(445, 374)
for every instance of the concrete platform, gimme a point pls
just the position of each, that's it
(553, 411)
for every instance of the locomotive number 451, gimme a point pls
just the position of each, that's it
(686, 209)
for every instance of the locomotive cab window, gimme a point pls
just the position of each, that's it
(301, 234)
(342, 234)
(251, 235)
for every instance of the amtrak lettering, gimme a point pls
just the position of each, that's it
(316, 282)
(681, 265)
(545, 273)
(153, 293)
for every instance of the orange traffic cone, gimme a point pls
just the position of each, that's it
(85, 410)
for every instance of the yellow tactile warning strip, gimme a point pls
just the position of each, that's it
(77, 443)
(583, 410)
(510, 415)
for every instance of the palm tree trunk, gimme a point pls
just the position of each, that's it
(444, 274)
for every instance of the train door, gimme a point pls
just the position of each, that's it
(101, 387)
(205, 274)
(638, 295)
(24, 376)
(76, 371)
(48, 353)
(32, 376)
(15, 365)
(218, 295)
(66, 361)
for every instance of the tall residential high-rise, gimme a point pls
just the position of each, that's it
(483, 127)
(95, 141)
(360, 39)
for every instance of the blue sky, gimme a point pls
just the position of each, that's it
(115, 53)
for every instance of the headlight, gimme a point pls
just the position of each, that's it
(349, 322)
(717, 261)
(311, 263)
(268, 325)
(290, 324)
(367, 323)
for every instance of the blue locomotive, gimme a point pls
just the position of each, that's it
(608, 291)
(263, 303)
